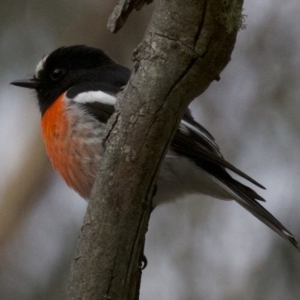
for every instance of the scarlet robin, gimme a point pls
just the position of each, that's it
(76, 88)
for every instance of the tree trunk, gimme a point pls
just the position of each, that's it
(186, 46)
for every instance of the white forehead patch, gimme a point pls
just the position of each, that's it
(40, 66)
(95, 96)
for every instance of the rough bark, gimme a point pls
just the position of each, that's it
(186, 46)
(122, 12)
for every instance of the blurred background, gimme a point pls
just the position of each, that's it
(196, 248)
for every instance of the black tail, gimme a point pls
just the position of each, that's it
(247, 198)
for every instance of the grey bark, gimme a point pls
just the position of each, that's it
(122, 12)
(186, 46)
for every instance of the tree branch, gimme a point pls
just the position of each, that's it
(122, 11)
(186, 46)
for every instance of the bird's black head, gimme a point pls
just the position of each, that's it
(70, 66)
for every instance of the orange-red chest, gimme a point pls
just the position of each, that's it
(73, 145)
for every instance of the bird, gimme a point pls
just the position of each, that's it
(76, 88)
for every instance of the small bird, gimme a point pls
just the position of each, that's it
(76, 88)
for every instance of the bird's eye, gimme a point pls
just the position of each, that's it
(57, 74)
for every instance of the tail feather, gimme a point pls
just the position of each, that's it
(248, 191)
(246, 198)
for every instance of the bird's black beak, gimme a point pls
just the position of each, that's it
(26, 83)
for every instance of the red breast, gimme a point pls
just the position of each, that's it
(68, 149)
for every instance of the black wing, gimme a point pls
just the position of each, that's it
(110, 81)
(197, 144)
(102, 111)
